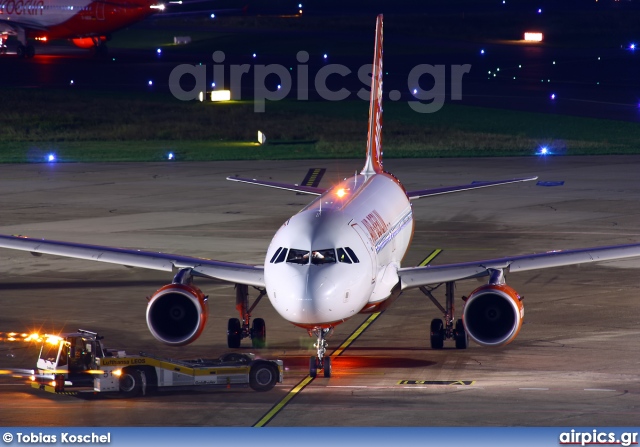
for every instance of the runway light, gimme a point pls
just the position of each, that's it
(254, 54)
(51, 158)
(171, 156)
(159, 51)
(553, 96)
(299, 5)
(71, 82)
(325, 55)
(213, 16)
(544, 150)
(539, 10)
(482, 51)
(632, 46)
(150, 82)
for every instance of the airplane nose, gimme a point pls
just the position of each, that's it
(308, 298)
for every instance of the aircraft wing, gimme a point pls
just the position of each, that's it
(475, 185)
(289, 187)
(412, 277)
(225, 271)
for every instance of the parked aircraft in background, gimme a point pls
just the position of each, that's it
(87, 23)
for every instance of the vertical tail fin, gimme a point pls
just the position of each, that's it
(373, 164)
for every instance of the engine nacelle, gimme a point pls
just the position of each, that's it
(177, 314)
(493, 315)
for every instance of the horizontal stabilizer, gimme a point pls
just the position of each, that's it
(475, 185)
(287, 186)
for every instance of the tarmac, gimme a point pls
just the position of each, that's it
(574, 363)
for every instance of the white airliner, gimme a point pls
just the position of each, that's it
(338, 257)
(87, 23)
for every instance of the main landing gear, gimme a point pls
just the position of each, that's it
(238, 329)
(25, 51)
(321, 361)
(441, 331)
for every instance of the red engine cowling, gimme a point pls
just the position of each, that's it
(87, 42)
(177, 314)
(493, 314)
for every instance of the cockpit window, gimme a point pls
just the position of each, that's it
(279, 255)
(353, 256)
(327, 256)
(298, 256)
(275, 255)
(343, 256)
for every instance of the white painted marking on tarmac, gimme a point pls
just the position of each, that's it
(600, 389)
(533, 389)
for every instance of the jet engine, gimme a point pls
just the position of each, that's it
(493, 314)
(177, 314)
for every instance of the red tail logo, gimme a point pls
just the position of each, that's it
(374, 140)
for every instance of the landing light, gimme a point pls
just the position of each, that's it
(341, 192)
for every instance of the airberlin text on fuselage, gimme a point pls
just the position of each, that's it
(22, 7)
(375, 224)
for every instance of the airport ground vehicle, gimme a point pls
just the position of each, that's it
(79, 359)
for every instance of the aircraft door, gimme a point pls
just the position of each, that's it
(100, 11)
(369, 248)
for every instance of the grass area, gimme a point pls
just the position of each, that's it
(145, 127)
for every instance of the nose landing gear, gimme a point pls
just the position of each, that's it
(320, 361)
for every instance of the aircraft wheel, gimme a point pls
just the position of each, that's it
(21, 51)
(259, 333)
(234, 333)
(30, 51)
(437, 334)
(130, 382)
(313, 367)
(327, 367)
(262, 377)
(461, 336)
